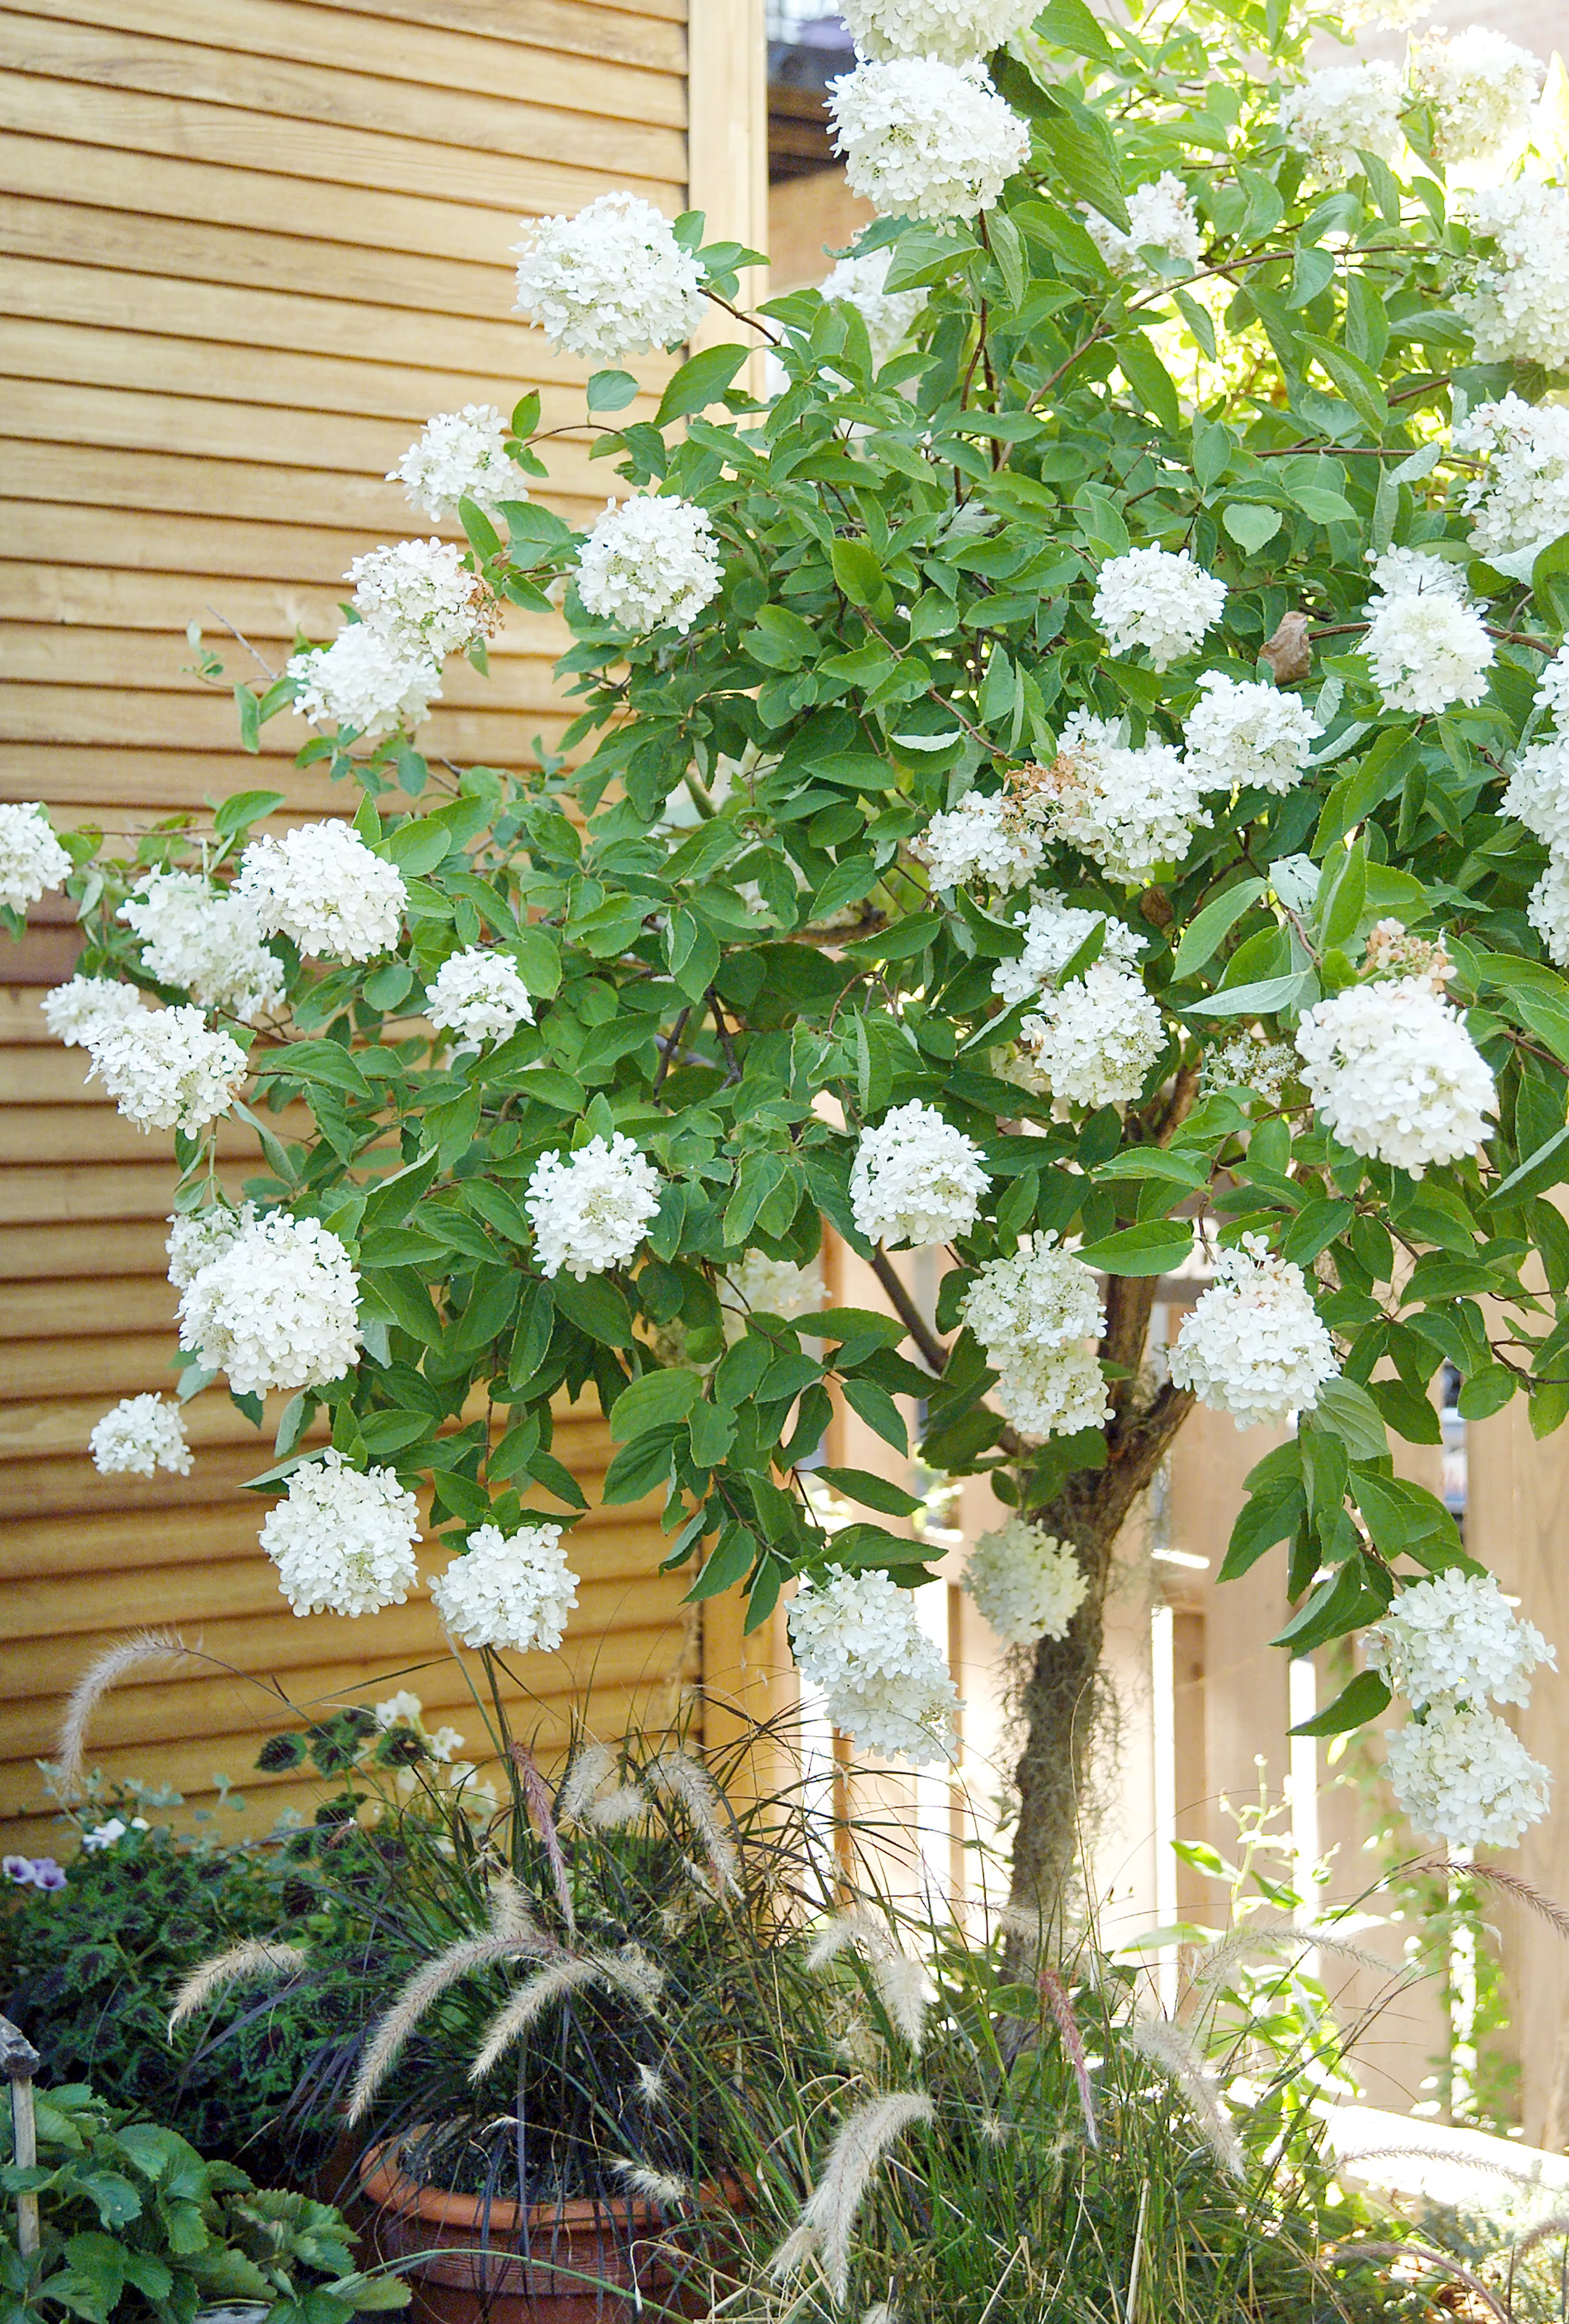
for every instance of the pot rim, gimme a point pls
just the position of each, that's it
(384, 2183)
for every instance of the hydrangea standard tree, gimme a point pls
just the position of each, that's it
(1081, 759)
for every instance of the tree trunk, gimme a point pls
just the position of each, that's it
(1059, 1699)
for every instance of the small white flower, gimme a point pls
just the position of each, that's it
(205, 940)
(277, 1308)
(1027, 1584)
(364, 681)
(610, 282)
(591, 1211)
(461, 455)
(1240, 733)
(138, 1435)
(1127, 810)
(1461, 1775)
(400, 1710)
(165, 1068)
(1344, 111)
(32, 859)
(343, 1540)
(322, 887)
(1518, 304)
(72, 1011)
(1054, 930)
(194, 1237)
(1547, 908)
(1160, 217)
(855, 1636)
(1426, 645)
(650, 564)
(889, 315)
(1093, 1041)
(924, 139)
(102, 1836)
(479, 995)
(1393, 1073)
(1255, 1345)
(916, 1179)
(1480, 90)
(421, 598)
(509, 1590)
(960, 32)
(1150, 597)
(1521, 501)
(982, 839)
(1456, 1638)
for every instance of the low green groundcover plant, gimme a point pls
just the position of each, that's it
(136, 2224)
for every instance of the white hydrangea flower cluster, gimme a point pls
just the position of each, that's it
(343, 1540)
(1026, 1583)
(889, 316)
(165, 1068)
(1127, 810)
(1547, 908)
(138, 1435)
(1552, 686)
(421, 597)
(1250, 1061)
(924, 139)
(364, 681)
(1241, 734)
(277, 1308)
(957, 30)
(32, 859)
(1153, 598)
(1160, 217)
(71, 1010)
(1093, 1041)
(1254, 1345)
(1342, 111)
(1538, 792)
(1426, 645)
(591, 1211)
(761, 1285)
(196, 1237)
(1480, 90)
(511, 1591)
(1521, 501)
(321, 886)
(205, 940)
(1054, 930)
(1033, 1313)
(610, 282)
(1456, 1638)
(461, 455)
(1393, 1072)
(982, 838)
(650, 564)
(479, 995)
(1387, 16)
(915, 1179)
(1518, 302)
(1461, 1776)
(855, 1636)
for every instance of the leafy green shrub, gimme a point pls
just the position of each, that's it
(136, 2224)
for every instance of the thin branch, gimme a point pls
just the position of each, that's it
(752, 322)
(933, 1352)
(667, 1048)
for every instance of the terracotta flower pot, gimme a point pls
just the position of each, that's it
(496, 2262)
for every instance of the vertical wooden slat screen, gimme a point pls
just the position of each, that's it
(246, 252)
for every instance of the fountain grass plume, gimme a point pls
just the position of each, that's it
(630, 1973)
(1267, 1933)
(1168, 2047)
(828, 2219)
(104, 1673)
(897, 1979)
(254, 1959)
(591, 1766)
(537, 1793)
(1058, 2000)
(660, 2187)
(510, 1931)
(1512, 1884)
(684, 1778)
